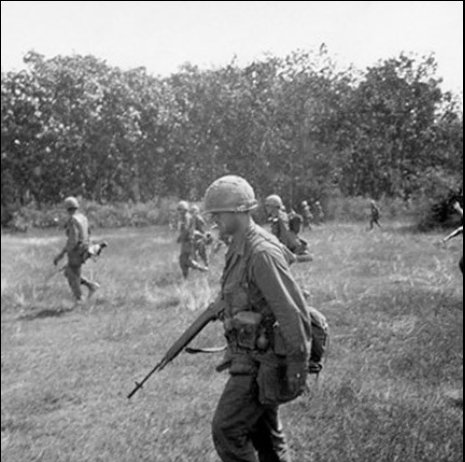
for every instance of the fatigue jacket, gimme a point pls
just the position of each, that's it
(257, 278)
(77, 233)
(186, 233)
(280, 228)
(199, 224)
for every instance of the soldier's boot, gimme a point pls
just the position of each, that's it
(269, 440)
(93, 287)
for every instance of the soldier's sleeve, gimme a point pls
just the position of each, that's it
(273, 278)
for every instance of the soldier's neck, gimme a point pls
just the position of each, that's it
(244, 224)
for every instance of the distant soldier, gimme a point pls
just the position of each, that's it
(223, 240)
(297, 245)
(186, 239)
(77, 250)
(173, 220)
(319, 213)
(200, 235)
(374, 215)
(307, 215)
(278, 218)
(267, 327)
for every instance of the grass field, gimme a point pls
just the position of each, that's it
(393, 300)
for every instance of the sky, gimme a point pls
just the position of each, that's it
(161, 36)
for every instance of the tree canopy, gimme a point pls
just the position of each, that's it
(298, 126)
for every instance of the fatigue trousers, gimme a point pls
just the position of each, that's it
(244, 429)
(73, 273)
(201, 250)
(187, 262)
(373, 222)
(76, 280)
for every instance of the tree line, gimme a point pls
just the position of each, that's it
(298, 126)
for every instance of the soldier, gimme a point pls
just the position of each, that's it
(319, 213)
(279, 219)
(186, 239)
(307, 215)
(374, 215)
(267, 327)
(200, 235)
(76, 249)
(457, 232)
(297, 245)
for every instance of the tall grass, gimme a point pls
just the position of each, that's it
(393, 300)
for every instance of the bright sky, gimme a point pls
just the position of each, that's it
(163, 35)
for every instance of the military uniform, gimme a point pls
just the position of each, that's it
(268, 330)
(200, 247)
(319, 213)
(296, 244)
(307, 216)
(186, 239)
(76, 249)
(280, 228)
(374, 216)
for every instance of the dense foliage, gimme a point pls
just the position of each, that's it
(296, 125)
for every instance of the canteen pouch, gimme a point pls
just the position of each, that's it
(246, 326)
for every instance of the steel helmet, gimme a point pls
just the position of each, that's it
(195, 209)
(71, 203)
(183, 206)
(274, 201)
(230, 194)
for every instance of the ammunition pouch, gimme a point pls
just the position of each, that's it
(245, 331)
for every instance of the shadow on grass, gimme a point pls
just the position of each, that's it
(44, 313)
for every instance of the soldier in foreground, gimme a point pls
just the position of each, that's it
(186, 239)
(77, 250)
(267, 327)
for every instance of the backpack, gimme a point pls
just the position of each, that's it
(295, 224)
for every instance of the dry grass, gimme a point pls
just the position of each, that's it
(394, 302)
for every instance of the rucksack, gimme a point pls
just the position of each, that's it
(295, 223)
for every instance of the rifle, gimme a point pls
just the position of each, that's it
(53, 273)
(212, 313)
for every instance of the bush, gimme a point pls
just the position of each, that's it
(435, 199)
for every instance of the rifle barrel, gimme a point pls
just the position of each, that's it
(139, 385)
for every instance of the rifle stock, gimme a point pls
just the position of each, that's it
(210, 314)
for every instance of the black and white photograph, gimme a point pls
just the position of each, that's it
(231, 231)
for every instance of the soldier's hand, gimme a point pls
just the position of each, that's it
(297, 377)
